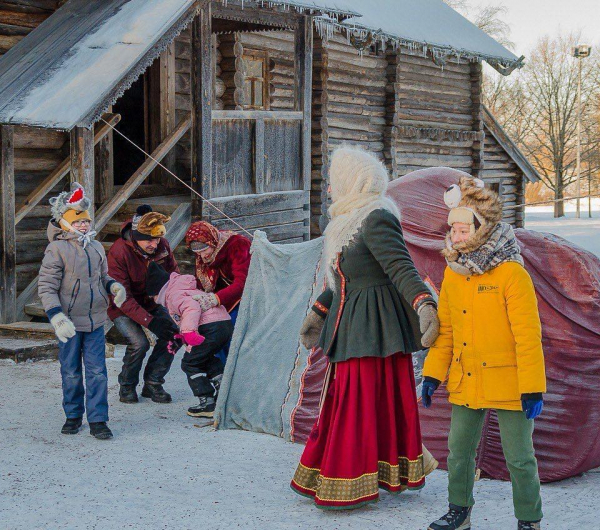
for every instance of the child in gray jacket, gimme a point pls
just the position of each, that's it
(73, 286)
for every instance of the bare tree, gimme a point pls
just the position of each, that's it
(487, 18)
(550, 82)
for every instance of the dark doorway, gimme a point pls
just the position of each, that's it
(131, 107)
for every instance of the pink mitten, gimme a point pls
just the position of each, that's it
(192, 338)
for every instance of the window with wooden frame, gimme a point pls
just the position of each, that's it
(256, 82)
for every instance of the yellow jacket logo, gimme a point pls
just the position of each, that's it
(487, 289)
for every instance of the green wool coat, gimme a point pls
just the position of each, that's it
(371, 312)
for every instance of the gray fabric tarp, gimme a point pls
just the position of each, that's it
(262, 379)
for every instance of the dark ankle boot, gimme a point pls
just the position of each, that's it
(71, 426)
(204, 409)
(156, 393)
(127, 394)
(100, 430)
(530, 525)
(457, 518)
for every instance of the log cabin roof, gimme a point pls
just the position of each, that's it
(80, 60)
(495, 129)
(430, 25)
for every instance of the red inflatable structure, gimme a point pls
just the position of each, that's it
(567, 282)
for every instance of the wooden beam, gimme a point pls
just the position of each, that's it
(104, 167)
(106, 213)
(257, 114)
(8, 247)
(82, 161)
(255, 16)
(63, 169)
(202, 90)
(303, 101)
(477, 119)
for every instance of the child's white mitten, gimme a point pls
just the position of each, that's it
(63, 327)
(118, 291)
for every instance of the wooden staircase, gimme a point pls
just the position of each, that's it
(24, 341)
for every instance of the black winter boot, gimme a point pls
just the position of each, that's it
(156, 393)
(457, 518)
(535, 525)
(127, 394)
(100, 430)
(204, 409)
(71, 426)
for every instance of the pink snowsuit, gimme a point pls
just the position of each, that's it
(176, 296)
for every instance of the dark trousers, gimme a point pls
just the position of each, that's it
(201, 363)
(89, 348)
(160, 360)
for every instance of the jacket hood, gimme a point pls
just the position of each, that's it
(55, 233)
(183, 282)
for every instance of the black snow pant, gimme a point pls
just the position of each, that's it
(138, 345)
(201, 364)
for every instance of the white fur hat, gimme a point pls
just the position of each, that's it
(356, 171)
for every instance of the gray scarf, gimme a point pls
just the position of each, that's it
(500, 247)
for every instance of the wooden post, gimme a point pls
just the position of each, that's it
(202, 90)
(82, 160)
(8, 249)
(477, 103)
(303, 102)
(167, 109)
(104, 167)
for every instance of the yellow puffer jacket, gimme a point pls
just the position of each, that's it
(490, 339)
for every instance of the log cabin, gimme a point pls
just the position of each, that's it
(229, 109)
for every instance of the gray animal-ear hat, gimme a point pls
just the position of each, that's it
(70, 206)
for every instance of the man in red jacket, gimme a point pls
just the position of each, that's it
(142, 242)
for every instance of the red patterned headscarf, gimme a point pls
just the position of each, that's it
(204, 232)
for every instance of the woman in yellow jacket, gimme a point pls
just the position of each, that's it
(489, 349)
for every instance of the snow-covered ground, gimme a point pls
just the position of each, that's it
(164, 471)
(584, 231)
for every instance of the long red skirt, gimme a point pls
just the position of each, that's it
(367, 436)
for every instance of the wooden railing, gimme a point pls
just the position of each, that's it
(61, 171)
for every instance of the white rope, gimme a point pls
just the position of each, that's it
(180, 180)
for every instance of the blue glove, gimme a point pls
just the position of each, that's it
(430, 385)
(532, 405)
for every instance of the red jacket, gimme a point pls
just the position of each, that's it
(127, 264)
(232, 262)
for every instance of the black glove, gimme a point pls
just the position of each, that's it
(163, 328)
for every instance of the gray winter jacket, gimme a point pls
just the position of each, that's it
(74, 280)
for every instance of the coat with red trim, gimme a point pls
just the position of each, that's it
(372, 310)
(232, 264)
(128, 265)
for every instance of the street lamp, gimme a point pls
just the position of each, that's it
(579, 52)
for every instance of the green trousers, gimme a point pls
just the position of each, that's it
(516, 435)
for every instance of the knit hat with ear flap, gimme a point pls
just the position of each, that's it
(471, 203)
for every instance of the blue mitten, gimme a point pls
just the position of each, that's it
(532, 405)
(430, 385)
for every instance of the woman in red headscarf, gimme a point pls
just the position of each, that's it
(222, 262)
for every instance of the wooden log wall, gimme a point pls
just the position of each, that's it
(37, 153)
(500, 169)
(19, 17)
(349, 107)
(433, 114)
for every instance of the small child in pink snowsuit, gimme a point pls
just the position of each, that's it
(204, 332)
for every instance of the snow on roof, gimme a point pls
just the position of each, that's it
(79, 61)
(428, 24)
(68, 70)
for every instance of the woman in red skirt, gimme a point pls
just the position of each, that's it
(374, 313)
